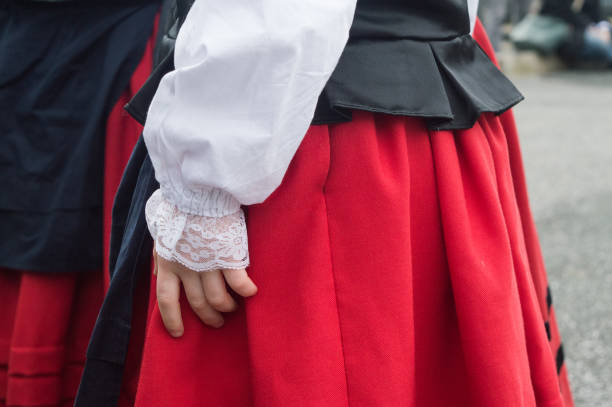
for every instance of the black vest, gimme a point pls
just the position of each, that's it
(404, 57)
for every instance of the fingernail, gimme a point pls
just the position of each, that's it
(176, 334)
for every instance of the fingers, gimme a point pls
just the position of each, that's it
(168, 291)
(206, 293)
(198, 300)
(240, 282)
(216, 291)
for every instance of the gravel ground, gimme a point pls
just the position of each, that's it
(566, 133)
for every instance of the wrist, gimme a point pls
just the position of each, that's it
(201, 243)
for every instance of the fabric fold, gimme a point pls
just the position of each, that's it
(449, 83)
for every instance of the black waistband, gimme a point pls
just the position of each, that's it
(410, 19)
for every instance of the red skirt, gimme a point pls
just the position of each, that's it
(396, 266)
(46, 319)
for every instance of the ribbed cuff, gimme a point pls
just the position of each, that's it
(207, 201)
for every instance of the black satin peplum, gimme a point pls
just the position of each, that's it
(415, 58)
(449, 83)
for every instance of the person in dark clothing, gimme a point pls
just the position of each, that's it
(591, 38)
(66, 69)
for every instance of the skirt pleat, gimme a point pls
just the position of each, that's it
(532, 245)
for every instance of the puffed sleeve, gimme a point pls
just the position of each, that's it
(224, 126)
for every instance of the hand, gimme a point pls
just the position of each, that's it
(206, 293)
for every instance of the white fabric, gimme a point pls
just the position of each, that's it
(223, 127)
(473, 10)
(199, 243)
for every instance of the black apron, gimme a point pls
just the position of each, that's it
(63, 65)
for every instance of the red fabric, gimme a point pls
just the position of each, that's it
(122, 133)
(45, 323)
(392, 271)
(46, 319)
(532, 244)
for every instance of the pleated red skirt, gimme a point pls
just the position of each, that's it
(396, 266)
(46, 319)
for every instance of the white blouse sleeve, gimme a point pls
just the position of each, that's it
(473, 10)
(224, 126)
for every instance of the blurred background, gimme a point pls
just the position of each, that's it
(559, 54)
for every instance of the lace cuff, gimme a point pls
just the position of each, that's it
(200, 243)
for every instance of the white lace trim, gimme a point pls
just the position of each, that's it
(200, 243)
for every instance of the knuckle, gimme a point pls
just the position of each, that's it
(163, 290)
(164, 299)
(217, 300)
(199, 304)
